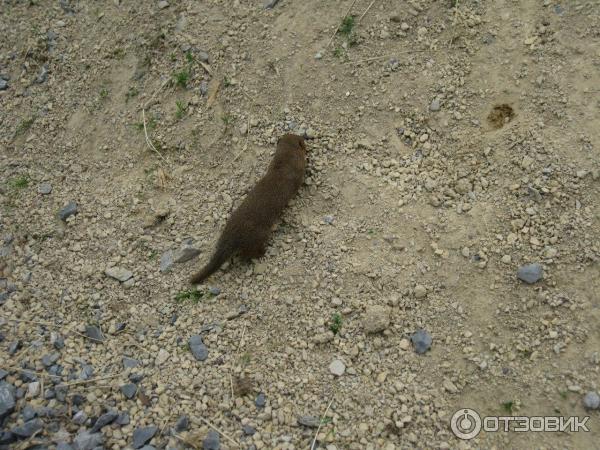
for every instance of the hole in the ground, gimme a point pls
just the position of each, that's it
(500, 115)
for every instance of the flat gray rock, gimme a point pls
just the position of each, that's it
(309, 421)
(130, 363)
(7, 398)
(104, 419)
(94, 333)
(141, 436)
(118, 273)
(129, 390)
(29, 428)
(530, 273)
(68, 210)
(212, 441)
(197, 347)
(45, 188)
(87, 441)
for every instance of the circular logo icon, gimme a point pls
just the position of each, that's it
(465, 424)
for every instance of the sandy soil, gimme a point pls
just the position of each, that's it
(450, 143)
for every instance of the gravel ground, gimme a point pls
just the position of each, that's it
(443, 254)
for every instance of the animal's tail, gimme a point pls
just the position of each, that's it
(223, 251)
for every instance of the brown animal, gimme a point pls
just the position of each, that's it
(247, 230)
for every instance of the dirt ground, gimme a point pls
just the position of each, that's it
(451, 142)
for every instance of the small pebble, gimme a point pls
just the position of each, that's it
(68, 210)
(421, 340)
(45, 188)
(337, 367)
(530, 273)
(212, 441)
(591, 400)
(261, 400)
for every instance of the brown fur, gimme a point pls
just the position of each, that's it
(247, 230)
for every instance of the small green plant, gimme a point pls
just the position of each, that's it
(103, 93)
(19, 183)
(182, 77)
(347, 26)
(338, 52)
(150, 125)
(508, 406)
(194, 295)
(227, 119)
(118, 53)
(564, 394)
(24, 125)
(336, 323)
(189, 57)
(181, 109)
(226, 81)
(245, 359)
(131, 92)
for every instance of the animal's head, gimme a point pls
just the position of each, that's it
(293, 140)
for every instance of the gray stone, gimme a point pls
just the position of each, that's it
(163, 4)
(118, 273)
(186, 253)
(269, 4)
(14, 347)
(49, 359)
(166, 261)
(212, 441)
(28, 413)
(421, 340)
(94, 333)
(214, 290)
(261, 400)
(29, 428)
(129, 390)
(309, 421)
(33, 389)
(80, 417)
(63, 446)
(87, 371)
(203, 56)
(3, 374)
(130, 363)
(123, 419)
(69, 210)
(198, 348)
(3, 84)
(435, 105)
(45, 188)
(248, 430)
(105, 419)
(7, 398)
(376, 319)
(141, 436)
(337, 367)
(530, 273)
(182, 424)
(591, 400)
(87, 441)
